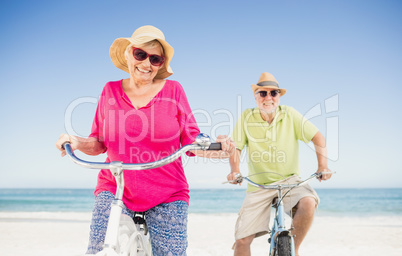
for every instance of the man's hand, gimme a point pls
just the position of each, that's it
(325, 174)
(232, 177)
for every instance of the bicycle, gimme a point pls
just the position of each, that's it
(125, 236)
(281, 239)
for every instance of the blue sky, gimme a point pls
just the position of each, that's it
(340, 58)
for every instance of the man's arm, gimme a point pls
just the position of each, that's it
(321, 151)
(234, 161)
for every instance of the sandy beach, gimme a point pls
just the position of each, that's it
(65, 234)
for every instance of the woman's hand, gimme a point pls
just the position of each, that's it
(228, 145)
(90, 146)
(74, 142)
(227, 148)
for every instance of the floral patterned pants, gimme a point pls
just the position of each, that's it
(167, 224)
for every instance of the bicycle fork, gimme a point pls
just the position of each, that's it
(279, 226)
(116, 208)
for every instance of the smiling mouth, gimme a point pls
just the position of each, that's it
(143, 71)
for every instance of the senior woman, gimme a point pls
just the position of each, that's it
(141, 119)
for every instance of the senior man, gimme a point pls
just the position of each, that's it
(272, 133)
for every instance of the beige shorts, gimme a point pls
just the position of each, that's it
(255, 212)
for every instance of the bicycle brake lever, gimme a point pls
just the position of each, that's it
(239, 178)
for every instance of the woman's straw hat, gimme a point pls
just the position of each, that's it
(142, 35)
(268, 81)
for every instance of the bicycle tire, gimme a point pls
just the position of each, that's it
(283, 246)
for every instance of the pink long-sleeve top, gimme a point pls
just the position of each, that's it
(143, 135)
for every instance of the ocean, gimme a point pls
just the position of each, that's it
(334, 202)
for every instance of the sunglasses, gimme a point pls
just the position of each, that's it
(264, 94)
(141, 55)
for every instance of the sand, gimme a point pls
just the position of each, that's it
(41, 234)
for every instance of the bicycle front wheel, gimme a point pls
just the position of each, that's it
(283, 246)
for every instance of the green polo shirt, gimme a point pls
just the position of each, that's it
(272, 147)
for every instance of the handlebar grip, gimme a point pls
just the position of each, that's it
(64, 143)
(215, 146)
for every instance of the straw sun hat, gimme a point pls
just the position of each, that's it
(140, 36)
(268, 81)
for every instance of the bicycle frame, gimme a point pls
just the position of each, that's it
(279, 227)
(116, 168)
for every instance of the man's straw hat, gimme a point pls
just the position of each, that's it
(142, 35)
(268, 81)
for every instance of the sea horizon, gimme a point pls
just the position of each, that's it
(334, 202)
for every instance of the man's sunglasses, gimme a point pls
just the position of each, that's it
(264, 94)
(141, 55)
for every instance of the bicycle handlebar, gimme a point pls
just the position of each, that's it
(283, 186)
(203, 143)
(239, 179)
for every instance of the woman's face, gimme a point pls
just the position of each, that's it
(267, 104)
(143, 71)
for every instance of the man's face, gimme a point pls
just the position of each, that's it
(267, 100)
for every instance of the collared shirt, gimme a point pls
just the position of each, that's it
(272, 147)
(144, 135)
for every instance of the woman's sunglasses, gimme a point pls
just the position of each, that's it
(141, 55)
(264, 94)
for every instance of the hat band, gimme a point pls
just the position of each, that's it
(266, 83)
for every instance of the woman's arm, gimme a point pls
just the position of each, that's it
(90, 146)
